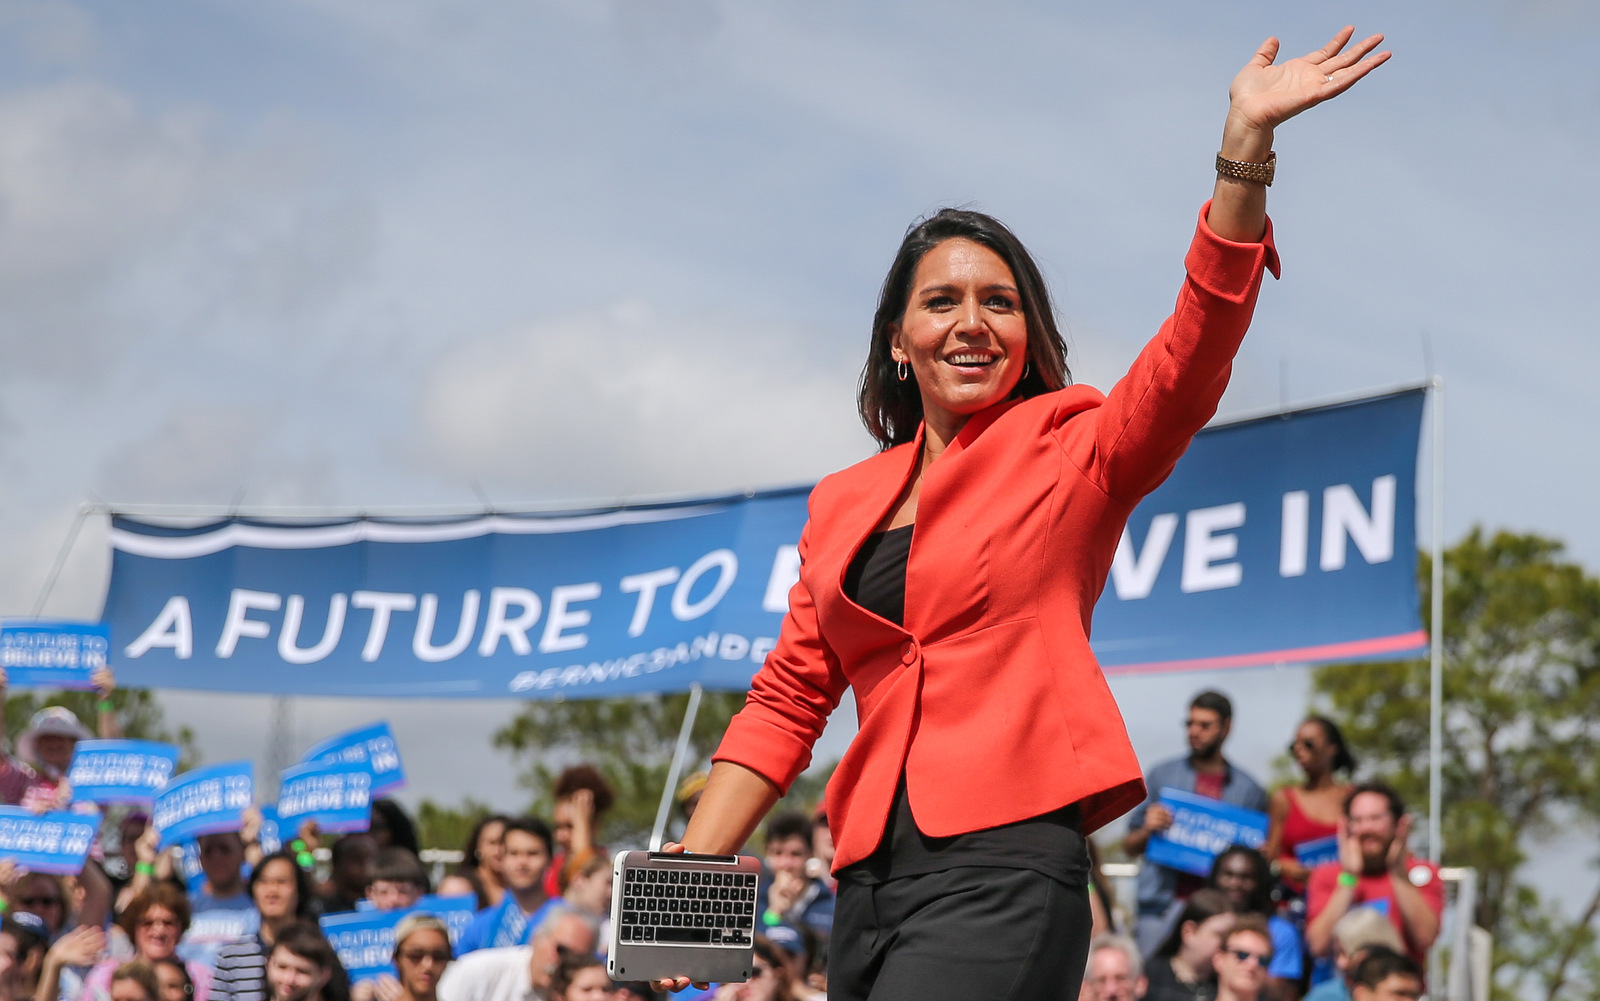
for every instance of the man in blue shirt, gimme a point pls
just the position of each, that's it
(511, 922)
(1204, 772)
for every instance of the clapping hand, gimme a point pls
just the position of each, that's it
(1399, 845)
(1266, 94)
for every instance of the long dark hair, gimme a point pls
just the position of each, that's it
(303, 890)
(892, 409)
(1260, 901)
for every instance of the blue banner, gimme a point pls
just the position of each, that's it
(335, 794)
(121, 771)
(1202, 828)
(374, 746)
(364, 940)
(55, 842)
(57, 654)
(204, 801)
(1287, 539)
(1319, 852)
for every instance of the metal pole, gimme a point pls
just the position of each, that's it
(1436, 641)
(678, 755)
(61, 560)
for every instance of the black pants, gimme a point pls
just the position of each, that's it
(966, 934)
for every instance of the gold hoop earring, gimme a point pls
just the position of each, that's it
(900, 370)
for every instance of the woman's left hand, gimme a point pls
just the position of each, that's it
(1265, 95)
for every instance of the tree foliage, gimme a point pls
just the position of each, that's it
(440, 826)
(1521, 738)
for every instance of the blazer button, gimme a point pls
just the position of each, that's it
(909, 657)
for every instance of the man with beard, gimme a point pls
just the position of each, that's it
(1375, 869)
(1204, 772)
(304, 967)
(526, 857)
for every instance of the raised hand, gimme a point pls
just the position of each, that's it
(1266, 94)
(1399, 846)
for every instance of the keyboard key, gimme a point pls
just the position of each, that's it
(700, 936)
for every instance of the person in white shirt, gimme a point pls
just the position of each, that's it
(520, 973)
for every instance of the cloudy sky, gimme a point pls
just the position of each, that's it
(366, 254)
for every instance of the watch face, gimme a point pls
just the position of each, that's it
(1420, 875)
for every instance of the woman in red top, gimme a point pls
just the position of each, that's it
(989, 743)
(1312, 810)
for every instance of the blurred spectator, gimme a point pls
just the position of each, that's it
(304, 967)
(1242, 961)
(1375, 869)
(350, 870)
(397, 879)
(23, 941)
(1114, 972)
(1242, 873)
(582, 798)
(1385, 975)
(134, 981)
(521, 972)
(1357, 933)
(421, 954)
(45, 748)
(1181, 969)
(634, 990)
(1204, 772)
(483, 862)
(67, 959)
(173, 977)
(154, 923)
(796, 946)
(281, 891)
(792, 895)
(223, 910)
(36, 893)
(391, 827)
(768, 979)
(589, 890)
(526, 860)
(120, 868)
(579, 976)
(1310, 811)
(822, 848)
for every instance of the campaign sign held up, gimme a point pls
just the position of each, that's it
(336, 794)
(121, 771)
(270, 838)
(57, 654)
(1202, 828)
(46, 842)
(204, 801)
(364, 940)
(1314, 853)
(375, 746)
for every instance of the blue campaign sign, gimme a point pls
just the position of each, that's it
(336, 794)
(364, 940)
(194, 877)
(271, 837)
(121, 771)
(1202, 828)
(1314, 853)
(372, 745)
(1288, 539)
(57, 654)
(204, 801)
(46, 842)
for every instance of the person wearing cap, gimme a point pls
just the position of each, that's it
(35, 777)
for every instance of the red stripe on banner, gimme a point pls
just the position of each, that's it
(1403, 643)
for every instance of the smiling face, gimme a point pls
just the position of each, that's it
(157, 933)
(276, 892)
(963, 332)
(1371, 823)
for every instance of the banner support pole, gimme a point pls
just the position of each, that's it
(1436, 640)
(61, 560)
(678, 754)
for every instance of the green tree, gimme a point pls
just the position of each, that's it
(1521, 740)
(631, 741)
(141, 715)
(440, 826)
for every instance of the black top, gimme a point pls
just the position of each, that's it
(1165, 985)
(1049, 843)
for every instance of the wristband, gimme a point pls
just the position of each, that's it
(105, 706)
(1349, 879)
(770, 917)
(5, 905)
(144, 869)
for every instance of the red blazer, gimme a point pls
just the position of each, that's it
(989, 699)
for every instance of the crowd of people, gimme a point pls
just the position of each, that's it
(1262, 924)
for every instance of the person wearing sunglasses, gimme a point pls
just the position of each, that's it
(769, 978)
(154, 923)
(1242, 962)
(421, 953)
(1310, 811)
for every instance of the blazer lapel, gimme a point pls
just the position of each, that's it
(877, 497)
